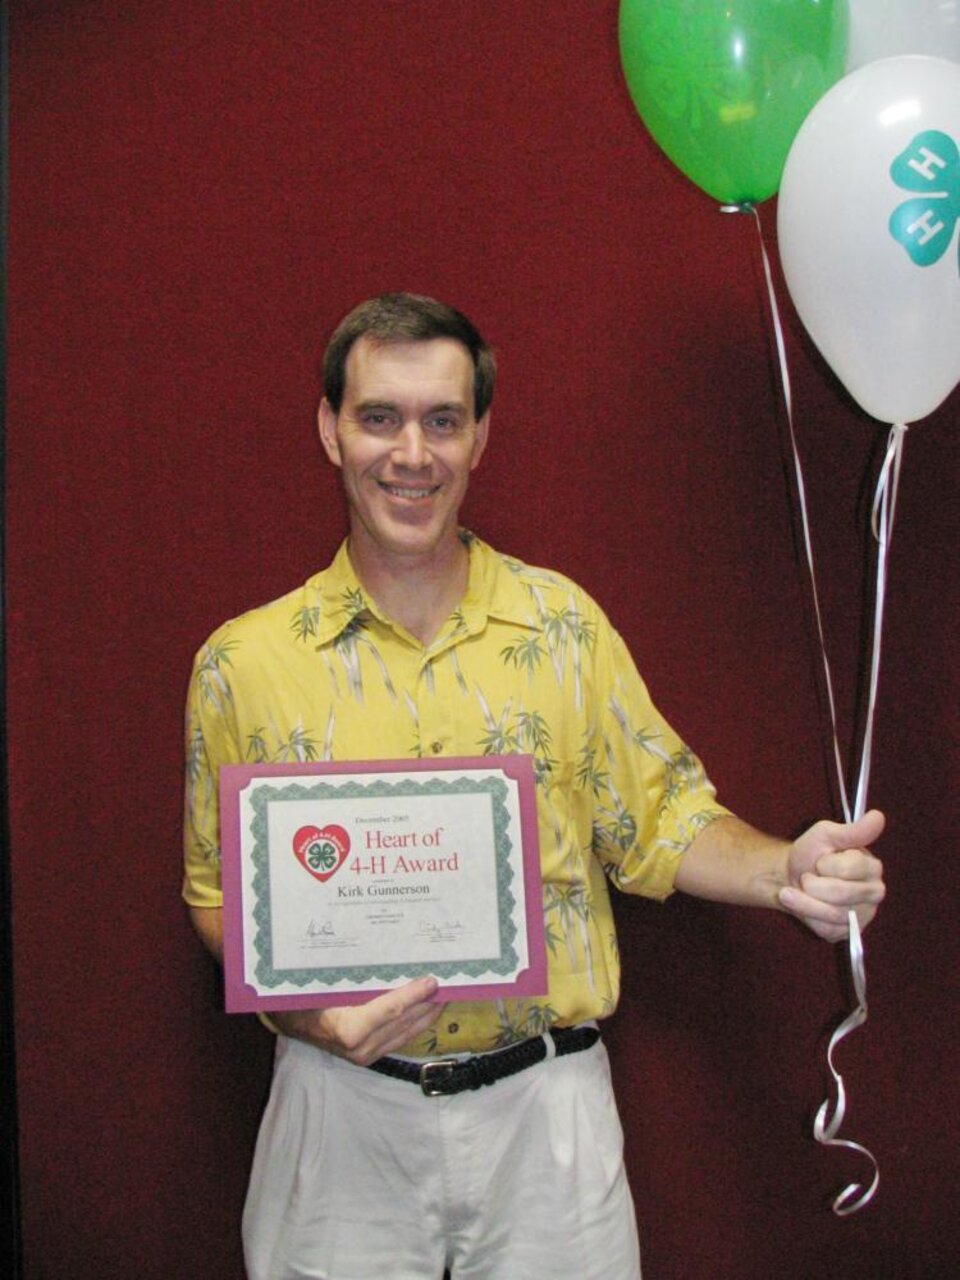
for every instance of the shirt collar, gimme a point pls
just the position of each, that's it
(339, 597)
(493, 590)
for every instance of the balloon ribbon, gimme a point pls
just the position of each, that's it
(825, 1129)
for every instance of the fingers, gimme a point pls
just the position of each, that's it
(822, 901)
(846, 879)
(826, 919)
(391, 1020)
(849, 864)
(836, 852)
(363, 1033)
(393, 1004)
(812, 910)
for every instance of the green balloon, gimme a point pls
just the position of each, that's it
(724, 85)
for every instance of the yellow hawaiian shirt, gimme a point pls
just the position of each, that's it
(527, 663)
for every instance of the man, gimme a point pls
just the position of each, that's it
(419, 640)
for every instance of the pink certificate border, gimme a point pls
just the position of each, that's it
(243, 998)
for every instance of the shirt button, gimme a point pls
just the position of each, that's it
(436, 747)
(453, 1028)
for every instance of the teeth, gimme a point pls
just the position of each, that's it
(396, 490)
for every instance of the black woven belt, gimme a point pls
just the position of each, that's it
(441, 1076)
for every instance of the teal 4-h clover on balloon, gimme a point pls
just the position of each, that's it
(870, 271)
(925, 226)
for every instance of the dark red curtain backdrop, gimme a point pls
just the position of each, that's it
(198, 192)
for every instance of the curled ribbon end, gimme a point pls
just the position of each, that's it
(853, 1198)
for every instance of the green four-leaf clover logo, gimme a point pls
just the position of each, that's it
(925, 224)
(321, 855)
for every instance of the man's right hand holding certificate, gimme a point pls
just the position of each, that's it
(365, 1032)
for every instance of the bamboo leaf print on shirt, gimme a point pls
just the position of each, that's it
(299, 747)
(570, 903)
(533, 732)
(522, 1022)
(209, 851)
(588, 772)
(526, 654)
(210, 678)
(306, 622)
(647, 742)
(348, 644)
(200, 777)
(617, 826)
(257, 749)
(328, 739)
(346, 650)
(498, 740)
(458, 671)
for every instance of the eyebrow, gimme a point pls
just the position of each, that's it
(365, 405)
(445, 406)
(449, 406)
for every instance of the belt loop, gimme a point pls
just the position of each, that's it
(551, 1046)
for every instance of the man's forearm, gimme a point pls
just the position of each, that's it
(819, 878)
(208, 922)
(730, 861)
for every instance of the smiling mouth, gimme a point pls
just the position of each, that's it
(405, 491)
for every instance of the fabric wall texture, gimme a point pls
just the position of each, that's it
(197, 193)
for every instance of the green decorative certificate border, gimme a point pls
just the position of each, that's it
(262, 796)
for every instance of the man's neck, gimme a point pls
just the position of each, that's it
(419, 593)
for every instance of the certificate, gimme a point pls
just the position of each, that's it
(342, 880)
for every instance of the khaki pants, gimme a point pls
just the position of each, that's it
(360, 1177)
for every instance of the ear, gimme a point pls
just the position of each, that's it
(327, 427)
(480, 439)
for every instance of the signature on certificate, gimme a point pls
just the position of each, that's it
(441, 930)
(321, 929)
(323, 934)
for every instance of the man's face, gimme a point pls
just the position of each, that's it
(406, 440)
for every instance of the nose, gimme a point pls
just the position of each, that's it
(410, 447)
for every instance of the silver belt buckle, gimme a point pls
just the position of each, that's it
(433, 1073)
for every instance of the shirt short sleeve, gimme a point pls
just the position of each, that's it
(210, 741)
(653, 794)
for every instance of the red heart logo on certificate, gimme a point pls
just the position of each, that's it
(321, 850)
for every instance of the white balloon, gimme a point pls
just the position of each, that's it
(867, 228)
(888, 28)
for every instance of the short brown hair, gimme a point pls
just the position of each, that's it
(407, 317)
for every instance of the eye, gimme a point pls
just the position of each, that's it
(378, 420)
(443, 424)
